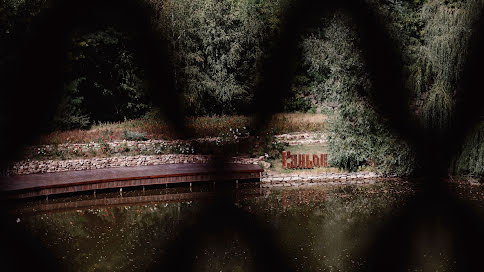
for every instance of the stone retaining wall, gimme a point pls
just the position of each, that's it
(50, 166)
(302, 138)
(278, 180)
(46, 166)
(268, 178)
(306, 183)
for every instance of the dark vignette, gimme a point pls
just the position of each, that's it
(35, 84)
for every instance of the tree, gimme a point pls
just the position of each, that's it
(356, 135)
(216, 48)
(104, 81)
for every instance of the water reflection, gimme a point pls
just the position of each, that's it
(323, 228)
(327, 233)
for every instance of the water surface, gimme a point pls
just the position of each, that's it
(319, 228)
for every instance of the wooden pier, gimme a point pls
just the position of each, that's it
(34, 185)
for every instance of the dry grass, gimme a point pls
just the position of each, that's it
(208, 126)
(297, 122)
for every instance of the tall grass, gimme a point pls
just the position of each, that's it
(205, 126)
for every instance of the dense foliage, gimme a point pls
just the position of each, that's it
(441, 57)
(433, 37)
(217, 48)
(104, 81)
(356, 135)
(470, 161)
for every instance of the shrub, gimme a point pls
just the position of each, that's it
(297, 104)
(313, 110)
(358, 137)
(124, 148)
(104, 139)
(470, 159)
(134, 136)
(267, 145)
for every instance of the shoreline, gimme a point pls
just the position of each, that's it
(269, 178)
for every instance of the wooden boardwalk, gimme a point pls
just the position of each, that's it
(45, 184)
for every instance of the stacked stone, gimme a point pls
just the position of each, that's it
(269, 180)
(302, 138)
(49, 166)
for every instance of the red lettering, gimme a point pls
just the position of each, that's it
(284, 154)
(300, 161)
(315, 160)
(293, 161)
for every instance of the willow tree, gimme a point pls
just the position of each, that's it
(438, 71)
(448, 26)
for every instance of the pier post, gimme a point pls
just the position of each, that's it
(121, 191)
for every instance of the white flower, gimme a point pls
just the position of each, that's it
(266, 155)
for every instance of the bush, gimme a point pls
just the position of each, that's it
(362, 140)
(470, 160)
(268, 145)
(104, 139)
(134, 136)
(297, 104)
(348, 149)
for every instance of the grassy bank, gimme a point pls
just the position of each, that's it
(207, 126)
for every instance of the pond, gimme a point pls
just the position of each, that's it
(317, 228)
